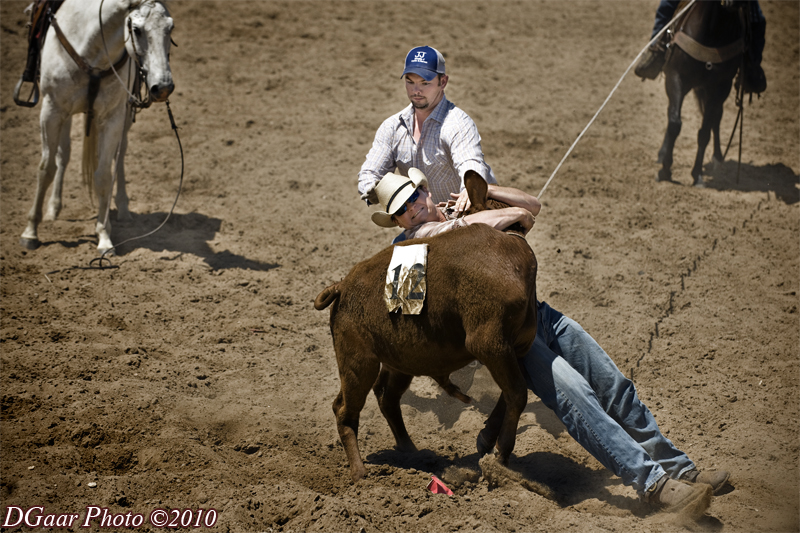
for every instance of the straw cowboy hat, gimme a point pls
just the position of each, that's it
(393, 191)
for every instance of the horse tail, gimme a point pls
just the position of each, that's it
(90, 162)
(326, 297)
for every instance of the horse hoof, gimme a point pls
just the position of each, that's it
(664, 175)
(699, 184)
(30, 244)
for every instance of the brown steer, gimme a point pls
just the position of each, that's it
(480, 304)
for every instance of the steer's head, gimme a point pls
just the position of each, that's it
(478, 192)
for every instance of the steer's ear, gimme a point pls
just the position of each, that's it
(477, 189)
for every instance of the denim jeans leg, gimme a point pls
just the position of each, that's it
(664, 13)
(399, 238)
(616, 393)
(565, 391)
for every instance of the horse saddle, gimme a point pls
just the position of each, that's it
(700, 52)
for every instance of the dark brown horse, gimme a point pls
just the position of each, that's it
(704, 55)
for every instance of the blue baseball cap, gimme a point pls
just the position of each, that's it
(424, 61)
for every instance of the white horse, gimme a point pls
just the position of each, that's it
(77, 60)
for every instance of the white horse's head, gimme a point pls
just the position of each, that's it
(147, 39)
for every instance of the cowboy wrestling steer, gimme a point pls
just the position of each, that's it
(480, 304)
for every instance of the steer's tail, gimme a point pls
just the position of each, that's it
(326, 297)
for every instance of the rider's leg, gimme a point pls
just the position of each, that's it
(664, 13)
(651, 63)
(754, 79)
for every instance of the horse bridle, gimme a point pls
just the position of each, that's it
(139, 77)
(136, 101)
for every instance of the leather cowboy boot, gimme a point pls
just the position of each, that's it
(691, 501)
(651, 63)
(716, 478)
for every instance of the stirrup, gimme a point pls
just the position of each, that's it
(34, 93)
(651, 63)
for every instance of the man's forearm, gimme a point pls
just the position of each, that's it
(515, 197)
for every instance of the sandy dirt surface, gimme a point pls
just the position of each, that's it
(196, 374)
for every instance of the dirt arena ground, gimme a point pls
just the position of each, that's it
(197, 375)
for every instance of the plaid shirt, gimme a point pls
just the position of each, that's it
(448, 147)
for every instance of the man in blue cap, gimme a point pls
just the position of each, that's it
(565, 367)
(431, 134)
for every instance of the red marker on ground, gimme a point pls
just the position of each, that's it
(437, 487)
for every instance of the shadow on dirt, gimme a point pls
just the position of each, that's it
(189, 233)
(572, 483)
(779, 179)
(477, 382)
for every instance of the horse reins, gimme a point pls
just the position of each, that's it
(740, 104)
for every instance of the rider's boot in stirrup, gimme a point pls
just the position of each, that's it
(651, 63)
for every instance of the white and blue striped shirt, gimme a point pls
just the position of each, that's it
(448, 147)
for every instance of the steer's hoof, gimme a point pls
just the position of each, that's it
(699, 183)
(483, 444)
(30, 244)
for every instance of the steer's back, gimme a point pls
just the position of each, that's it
(477, 278)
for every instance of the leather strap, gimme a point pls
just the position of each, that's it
(705, 53)
(80, 61)
(95, 75)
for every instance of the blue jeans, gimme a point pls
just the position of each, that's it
(575, 378)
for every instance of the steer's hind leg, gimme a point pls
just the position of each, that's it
(451, 388)
(357, 373)
(501, 361)
(487, 438)
(388, 389)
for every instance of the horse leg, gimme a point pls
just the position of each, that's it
(121, 199)
(105, 139)
(62, 160)
(357, 372)
(719, 98)
(51, 123)
(676, 94)
(388, 389)
(703, 135)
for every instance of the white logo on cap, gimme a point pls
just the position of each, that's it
(419, 58)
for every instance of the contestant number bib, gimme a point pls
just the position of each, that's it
(405, 279)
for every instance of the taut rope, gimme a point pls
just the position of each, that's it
(654, 39)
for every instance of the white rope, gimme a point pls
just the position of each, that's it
(636, 59)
